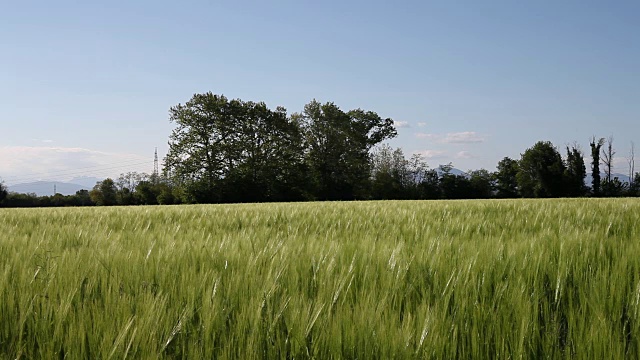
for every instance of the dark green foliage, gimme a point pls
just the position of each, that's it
(634, 187)
(429, 187)
(455, 187)
(104, 193)
(575, 173)
(482, 184)
(541, 171)
(3, 192)
(506, 181)
(390, 175)
(234, 151)
(147, 193)
(81, 198)
(595, 164)
(614, 187)
(337, 146)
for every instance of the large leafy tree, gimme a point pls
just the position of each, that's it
(541, 171)
(506, 181)
(337, 146)
(230, 150)
(269, 164)
(201, 147)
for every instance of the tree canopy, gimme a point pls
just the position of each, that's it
(233, 151)
(541, 171)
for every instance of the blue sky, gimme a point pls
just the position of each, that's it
(85, 87)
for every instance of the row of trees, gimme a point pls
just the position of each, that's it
(133, 188)
(236, 151)
(80, 198)
(129, 189)
(540, 172)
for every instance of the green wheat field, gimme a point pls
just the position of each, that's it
(388, 280)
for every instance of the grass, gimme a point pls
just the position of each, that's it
(438, 279)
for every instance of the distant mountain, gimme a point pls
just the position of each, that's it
(453, 171)
(589, 179)
(42, 188)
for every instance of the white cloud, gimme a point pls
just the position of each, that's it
(22, 164)
(401, 124)
(426, 136)
(432, 154)
(46, 141)
(466, 137)
(464, 155)
(422, 124)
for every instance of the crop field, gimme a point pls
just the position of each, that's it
(413, 279)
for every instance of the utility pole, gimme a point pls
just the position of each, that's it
(54, 189)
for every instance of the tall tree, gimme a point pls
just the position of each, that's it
(607, 158)
(506, 180)
(269, 161)
(201, 147)
(541, 171)
(595, 164)
(575, 172)
(337, 148)
(230, 150)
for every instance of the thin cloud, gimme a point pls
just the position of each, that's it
(401, 124)
(422, 124)
(427, 136)
(432, 154)
(46, 141)
(464, 155)
(32, 163)
(465, 137)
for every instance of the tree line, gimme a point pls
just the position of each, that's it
(131, 188)
(224, 151)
